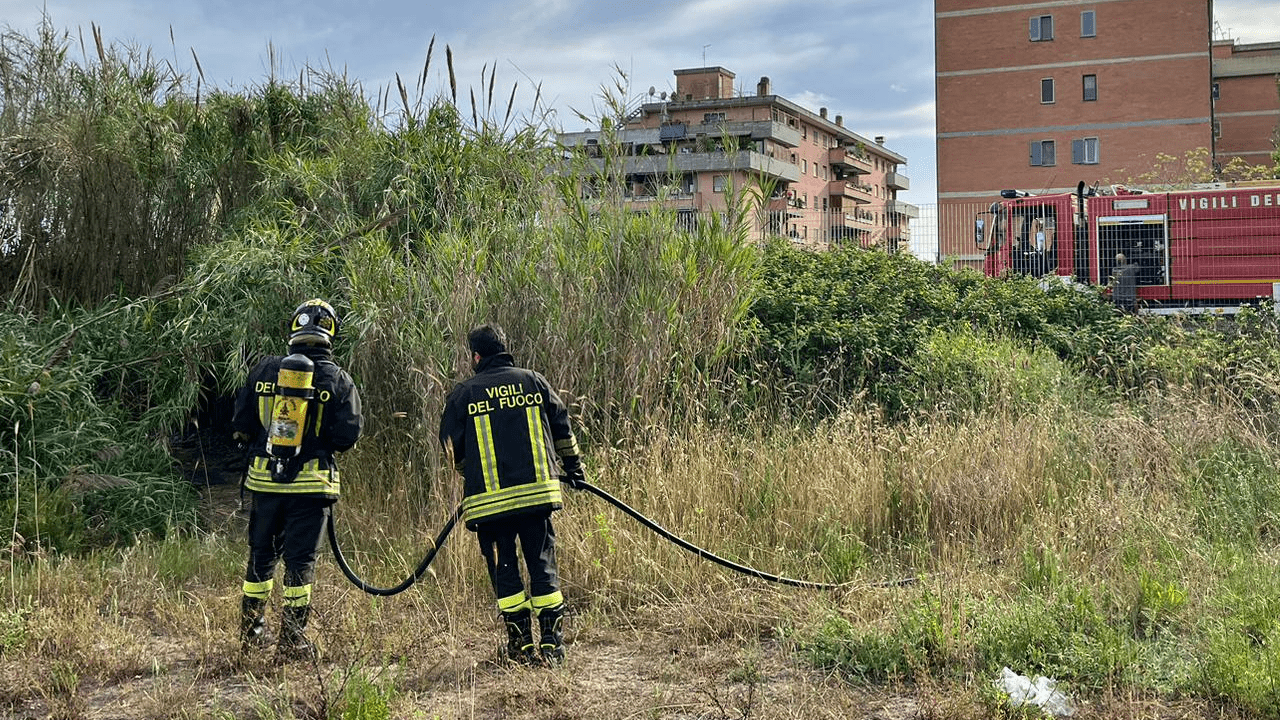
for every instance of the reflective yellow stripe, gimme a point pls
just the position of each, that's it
(297, 596)
(512, 498)
(264, 410)
(512, 603)
(311, 479)
(541, 466)
(488, 458)
(567, 446)
(319, 416)
(544, 602)
(258, 590)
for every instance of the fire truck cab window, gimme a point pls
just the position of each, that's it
(1035, 235)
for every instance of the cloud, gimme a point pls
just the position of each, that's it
(1248, 21)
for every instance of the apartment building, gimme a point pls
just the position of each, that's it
(699, 147)
(1041, 96)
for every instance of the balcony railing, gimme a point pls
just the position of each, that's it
(734, 161)
(678, 131)
(847, 159)
(855, 191)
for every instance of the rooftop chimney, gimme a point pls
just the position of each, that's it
(822, 113)
(879, 139)
(840, 120)
(762, 87)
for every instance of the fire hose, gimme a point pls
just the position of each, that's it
(655, 527)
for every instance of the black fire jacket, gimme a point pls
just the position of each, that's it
(333, 425)
(509, 433)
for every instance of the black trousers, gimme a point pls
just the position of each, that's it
(537, 543)
(288, 527)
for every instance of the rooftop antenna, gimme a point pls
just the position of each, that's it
(704, 54)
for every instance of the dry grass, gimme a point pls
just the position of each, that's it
(653, 631)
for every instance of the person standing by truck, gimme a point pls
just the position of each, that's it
(1124, 284)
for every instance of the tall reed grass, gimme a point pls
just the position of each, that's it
(1073, 492)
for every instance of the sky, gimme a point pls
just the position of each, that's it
(870, 61)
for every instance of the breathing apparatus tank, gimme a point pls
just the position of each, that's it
(294, 393)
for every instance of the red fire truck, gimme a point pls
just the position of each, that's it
(1213, 247)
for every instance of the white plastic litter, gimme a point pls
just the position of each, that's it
(1041, 691)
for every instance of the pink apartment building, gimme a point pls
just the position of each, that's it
(1041, 96)
(694, 149)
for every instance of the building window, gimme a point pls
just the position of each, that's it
(1043, 153)
(1215, 93)
(1041, 28)
(1088, 24)
(1217, 129)
(712, 118)
(804, 167)
(1084, 152)
(1090, 83)
(1046, 90)
(719, 182)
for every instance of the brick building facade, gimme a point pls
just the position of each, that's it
(1041, 96)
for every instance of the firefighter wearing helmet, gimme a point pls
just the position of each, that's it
(293, 414)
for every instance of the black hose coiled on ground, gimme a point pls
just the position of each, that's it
(706, 555)
(404, 584)
(584, 485)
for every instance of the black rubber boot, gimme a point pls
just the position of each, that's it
(253, 624)
(294, 644)
(520, 636)
(551, 644)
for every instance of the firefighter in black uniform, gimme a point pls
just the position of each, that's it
(511, 439)
(293, 413)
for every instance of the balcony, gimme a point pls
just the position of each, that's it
(897, 181)
(756, 130)
(850, 225)
(678, 131)
(844, 159)
(746, 161)
(676, 199)
(853, 190)
(902, 208)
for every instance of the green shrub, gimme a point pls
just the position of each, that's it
(960, 373)
(916, 645)
(1235, 494)
(83, 469)
(907, 334)
(1239, 670)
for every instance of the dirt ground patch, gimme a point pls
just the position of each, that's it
(636, 674)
